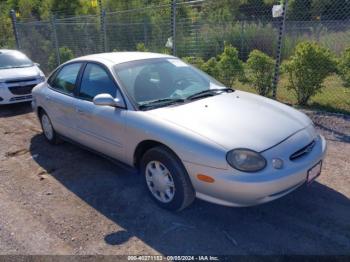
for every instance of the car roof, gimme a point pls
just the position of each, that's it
(121, 57)
(4, 51)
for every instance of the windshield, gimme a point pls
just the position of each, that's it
(14, 60)
(170, 79)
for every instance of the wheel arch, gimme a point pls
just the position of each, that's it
(40, 111)
(146, 145)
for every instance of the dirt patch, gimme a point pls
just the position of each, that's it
(65, 200)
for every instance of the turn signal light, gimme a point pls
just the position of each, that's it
(205, 178)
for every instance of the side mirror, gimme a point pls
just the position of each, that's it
(108, 100)
(37, 64)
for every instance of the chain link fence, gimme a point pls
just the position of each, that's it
(198, 31)
(328, 24)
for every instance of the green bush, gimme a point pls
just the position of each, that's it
(211, 68)
(141, 47)
(65, 55)
(307, 69)
(230, 66)
(260, 67)
(344, 67)
(195, 61)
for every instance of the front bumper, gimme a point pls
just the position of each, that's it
(8, 97)
(235, 188)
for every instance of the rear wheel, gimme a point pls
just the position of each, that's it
(48, 129)
(166, 179)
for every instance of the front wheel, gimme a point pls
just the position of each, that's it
(166, 179)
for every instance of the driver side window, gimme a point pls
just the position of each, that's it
(96, 81)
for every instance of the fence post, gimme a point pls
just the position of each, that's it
(103, 26)
(14, 26)
(242, 39)
(145, 34)
(173, 25)
(279, 49)
(55, 40)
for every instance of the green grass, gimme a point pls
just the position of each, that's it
(334, 97)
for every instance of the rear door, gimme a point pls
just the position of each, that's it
(101, 128)
(60, 100)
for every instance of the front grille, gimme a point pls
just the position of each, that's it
(302, 152)
(19, 98)
(15, 81)
(21, 90)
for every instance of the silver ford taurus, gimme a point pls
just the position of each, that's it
(187, 134)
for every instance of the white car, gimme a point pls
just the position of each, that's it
(18, 76)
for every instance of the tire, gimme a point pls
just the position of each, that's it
(48, 130)
(166, 179)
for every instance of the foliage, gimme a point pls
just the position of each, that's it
(303, 10)
(211, 67)
(333, 98)
(141, 47)
(72, 7)
(230, 66)
(66, 54)
(307, 69)
(344, 67)
(245, 36)
(6, 33)
(194, 60)
(261, 68)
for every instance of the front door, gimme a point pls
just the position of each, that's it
(101, 128)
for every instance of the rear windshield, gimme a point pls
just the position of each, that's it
(14, 60)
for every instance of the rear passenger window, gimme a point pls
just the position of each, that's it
(66, 78)
(96, 81)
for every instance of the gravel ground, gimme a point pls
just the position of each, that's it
(65, 200)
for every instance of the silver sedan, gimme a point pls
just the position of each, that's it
(187, 134)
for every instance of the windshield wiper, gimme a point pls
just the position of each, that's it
(208, 92)
(162, 102)
(170, 101)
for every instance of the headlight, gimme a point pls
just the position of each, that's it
(245, 160)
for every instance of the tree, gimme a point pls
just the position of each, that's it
(211, 68)
(230, 66)
(256, 9)
(261, 68)
(66, 54)
(195, 61)
(307, 69)
(299, 10)
(331, 9)
(141, 47)
(6, 33)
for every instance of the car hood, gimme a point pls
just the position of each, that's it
(237, 120)
(18, 73)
